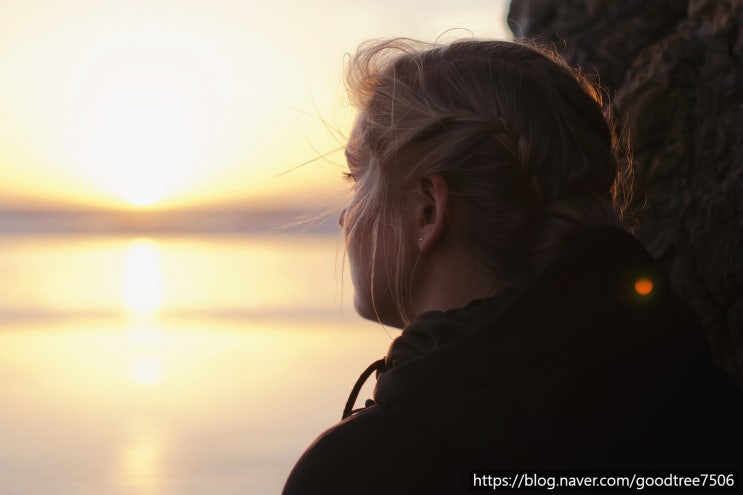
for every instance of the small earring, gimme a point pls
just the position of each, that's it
(420, 239)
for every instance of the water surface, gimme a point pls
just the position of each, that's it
(171, 365)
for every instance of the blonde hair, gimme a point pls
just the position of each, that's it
(520, 138)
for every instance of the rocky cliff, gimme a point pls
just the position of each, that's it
(675, 71)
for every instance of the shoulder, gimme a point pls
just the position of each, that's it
(375, 451)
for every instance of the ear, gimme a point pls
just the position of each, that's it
(430, 210)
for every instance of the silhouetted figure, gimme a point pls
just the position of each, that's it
(538, 334)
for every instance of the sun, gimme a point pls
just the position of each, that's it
(139, 110)
(139, 197)
(141, 177)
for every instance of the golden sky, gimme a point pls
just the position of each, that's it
(126, 103)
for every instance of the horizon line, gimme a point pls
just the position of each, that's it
(176, 221)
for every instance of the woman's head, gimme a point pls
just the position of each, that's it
(519, 139)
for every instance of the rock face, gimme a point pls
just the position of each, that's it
(675, 70)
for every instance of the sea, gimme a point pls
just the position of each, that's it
(172, 363)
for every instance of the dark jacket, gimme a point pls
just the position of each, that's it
(575, 371)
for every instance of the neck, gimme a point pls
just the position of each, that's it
(448, 278)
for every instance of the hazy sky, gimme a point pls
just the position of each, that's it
(171, 103)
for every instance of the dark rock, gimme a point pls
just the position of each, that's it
(675, 69)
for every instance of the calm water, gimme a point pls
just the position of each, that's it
(171, 365)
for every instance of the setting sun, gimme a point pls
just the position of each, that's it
(167, 104)
(139, 107)
(141, 182)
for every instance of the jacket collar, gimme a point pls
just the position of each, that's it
(583, 305)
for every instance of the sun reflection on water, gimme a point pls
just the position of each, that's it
(142, 278)
(143, 336)
(142, 458)
(140, 465)
(157, 400)
(143, 296)
(147, 370)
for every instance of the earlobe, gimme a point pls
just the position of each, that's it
(432, 211)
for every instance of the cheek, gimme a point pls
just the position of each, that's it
(354, 235)
(356, 225)
(359, 240)
(359, 260)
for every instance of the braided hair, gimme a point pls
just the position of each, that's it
(522, 139)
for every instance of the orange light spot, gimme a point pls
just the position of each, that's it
(643, 286)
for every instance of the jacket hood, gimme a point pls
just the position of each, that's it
(577, 371)
(544, 372)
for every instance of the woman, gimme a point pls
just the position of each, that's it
(537, 334)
